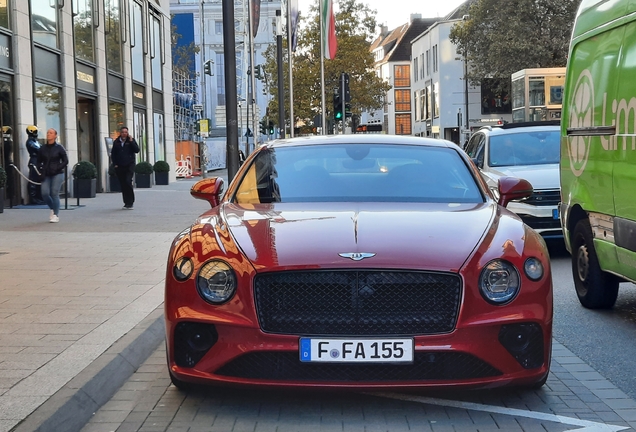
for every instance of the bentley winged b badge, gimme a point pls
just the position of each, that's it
(357, 256)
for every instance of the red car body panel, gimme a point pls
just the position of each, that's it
(455, 238)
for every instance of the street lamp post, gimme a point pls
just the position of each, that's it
(464, 18)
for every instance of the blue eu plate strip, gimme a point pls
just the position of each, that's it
(305, 349)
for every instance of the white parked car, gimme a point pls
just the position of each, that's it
(529, 151)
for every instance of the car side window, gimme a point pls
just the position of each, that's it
(471, 147)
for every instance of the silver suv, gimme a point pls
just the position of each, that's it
(529, 151)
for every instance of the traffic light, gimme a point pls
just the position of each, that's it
(337, 106)
(271, 127)
(263, 125)
(207, 67)
(347, 93)
(258, 72)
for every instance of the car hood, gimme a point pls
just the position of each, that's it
(401, 235)
(539, 176)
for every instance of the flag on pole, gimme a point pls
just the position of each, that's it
(329, 43)
(293, 15)
(256, 16)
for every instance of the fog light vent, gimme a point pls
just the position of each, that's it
(192, 341)
(524, 342)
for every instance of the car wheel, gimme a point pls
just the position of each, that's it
(595, 288)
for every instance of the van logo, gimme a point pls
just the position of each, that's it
(581, 116)
(357, 256)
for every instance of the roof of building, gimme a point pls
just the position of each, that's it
(397, 43)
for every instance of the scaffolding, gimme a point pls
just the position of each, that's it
(185, 98)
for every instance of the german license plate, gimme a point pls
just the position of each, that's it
(555, 213)
(356, 350)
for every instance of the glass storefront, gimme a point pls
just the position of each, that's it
(113, 31)
(156, 53)
(160, 144)
(137, 42)
(116, 117)
(139, 133)
(4, 14)
(48, 100)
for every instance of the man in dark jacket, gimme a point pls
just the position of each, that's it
(123, 154)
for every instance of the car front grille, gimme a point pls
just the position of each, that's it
(541, 223)
(286, 366)
(544, 198)
(357, 303)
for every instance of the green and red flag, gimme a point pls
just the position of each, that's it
(329, 42)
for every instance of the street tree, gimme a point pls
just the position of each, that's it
(500, 37)
(355, 26)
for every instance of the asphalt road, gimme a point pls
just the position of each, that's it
(606, 340)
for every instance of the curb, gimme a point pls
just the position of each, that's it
(71, 407)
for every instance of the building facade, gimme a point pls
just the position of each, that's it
(446, 106)
(208, 34)
(85, 68)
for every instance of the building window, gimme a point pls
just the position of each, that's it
(403, 124)
(429, 103)
(495, 96)
(156, 51)
(434, 58)
(4, 14)
(418, 107)
(44, 20)
(435, 97)
(160, 144)
(83, 29)
(415, 69)
(428, 62)
(220, 79)
(137, 42)
(48, 105)
(402, 100)
(115, 118)
(422, 115)
(113, 29)
(218, 27)
(402, 74)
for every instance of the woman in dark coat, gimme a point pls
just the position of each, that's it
(52, 160)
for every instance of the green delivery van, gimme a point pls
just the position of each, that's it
(598, 150)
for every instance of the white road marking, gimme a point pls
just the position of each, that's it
(587, 426)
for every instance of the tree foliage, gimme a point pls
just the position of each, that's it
(355, 24)
(501, 37)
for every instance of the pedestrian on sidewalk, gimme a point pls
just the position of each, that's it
(123, 154)
(52, 161)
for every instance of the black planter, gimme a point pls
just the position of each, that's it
(84, 188)
(142, 180)
(161, 178)
(1, 200)
(114, 184)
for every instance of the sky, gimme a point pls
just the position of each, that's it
(394, 13)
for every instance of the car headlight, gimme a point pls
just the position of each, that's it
(533, 269)
(499, 282)
(182, 269)
(216, 282)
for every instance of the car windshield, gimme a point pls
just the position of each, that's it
(525, 148)
(358, 173)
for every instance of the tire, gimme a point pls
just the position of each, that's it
(595, 288)
(181, 385)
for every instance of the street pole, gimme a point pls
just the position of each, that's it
(255, 128)
(291, 77)
(465, 17)
(281, 83)
(202, 156)
(322, 74)
(229, 51)
(342, 100)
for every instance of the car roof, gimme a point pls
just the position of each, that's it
(513, 128)
(359, 139)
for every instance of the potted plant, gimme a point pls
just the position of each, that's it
(161, 169)
(113, 180)
(85, 180)
(143, 171)
(3, 182)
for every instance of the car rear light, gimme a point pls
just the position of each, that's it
(192, 341)
(525, 343)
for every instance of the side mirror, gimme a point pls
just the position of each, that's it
(209, 189)
(512, 188)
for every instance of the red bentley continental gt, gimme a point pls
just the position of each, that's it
(366, 261)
